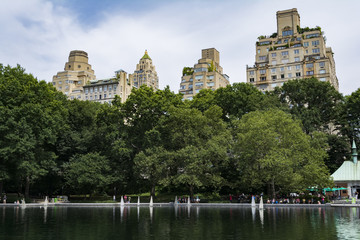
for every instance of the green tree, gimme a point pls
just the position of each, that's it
(199, 143)
(272, 150)
(88, 173)
(33, 117)
(315, 103)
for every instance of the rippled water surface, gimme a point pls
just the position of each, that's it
(178, 223)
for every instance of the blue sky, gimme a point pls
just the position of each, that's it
(39, 34)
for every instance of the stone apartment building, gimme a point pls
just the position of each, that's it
(77, 72)
(291, 52)
(207, 73)
(104, 90)
(145, 73)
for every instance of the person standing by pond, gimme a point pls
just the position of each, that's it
(5, 198)
(230, 198)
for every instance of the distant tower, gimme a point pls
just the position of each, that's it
(145, 73)
(290, 53)
(77, 72)
(354, 152)
(207, 73)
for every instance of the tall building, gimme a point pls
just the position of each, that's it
(104, 90)
(77, 72)
(291, 52)
(207, 73)
(145, 73)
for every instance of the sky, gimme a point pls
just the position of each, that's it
(39, 34)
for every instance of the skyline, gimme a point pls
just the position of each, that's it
(39, 34)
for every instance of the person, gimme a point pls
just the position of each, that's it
(129, 199)
(125, 198)
(114, 198)
(230, 198)
(5, 198)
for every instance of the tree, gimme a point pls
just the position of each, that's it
(241, 98)
(33, 117)
(199, 144)
(272, 150)
(314, 102)
(88, 173)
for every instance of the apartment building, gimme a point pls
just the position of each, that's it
(290, 53)
(77, 72)
(145, 73)
(206, 74)
(104, 90)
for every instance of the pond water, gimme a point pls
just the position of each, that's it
(59, 222)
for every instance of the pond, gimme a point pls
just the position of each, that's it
(195, 222)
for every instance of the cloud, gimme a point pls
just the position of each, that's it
(39, 35)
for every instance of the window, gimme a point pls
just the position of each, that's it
(289, 75)
(286, 40)
(100, 89)
(298, 39)
(316, 50)
(251, 72)
(297, 59)
(262, 78)
(273, 85)
(66, 81)
(199, 84)
(110, 88)
(104, 95)
(60, 88)
(210, 77)
(312, 35)
(287, 33)
(182, 86)
(210, 84)
(258, 51)
(282, 69)
(297, 67)
(273, 62)
(278, 42)
(309, 73)
(262, 58)
(115, 87)
(263, 71)
(95, 89)
(321, 64)
(105, 88)
(298, 74)
(60, 82)
(251, 79)
(296, 51)
(54, 83)
(315, 43)
(95, 96)
(322, 79)
(306, 44)
(109, 95)
(86, 97)
(284, 60)
(273, 55)
(289, 68)
(190, 80)
(190, 86)
(309, 65)
(282, 76)
(322, 71)
(285, 53)
(273, 77)
(273, 70)
(198, 77)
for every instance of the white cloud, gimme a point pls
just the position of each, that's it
(39, 35)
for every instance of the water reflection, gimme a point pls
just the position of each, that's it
(179, 222)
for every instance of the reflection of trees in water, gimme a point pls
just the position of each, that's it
(180, 222)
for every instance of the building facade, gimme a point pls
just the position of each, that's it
(77, 72)
(104, 90)
(290, 53)
(206, 74)
(145, 73)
